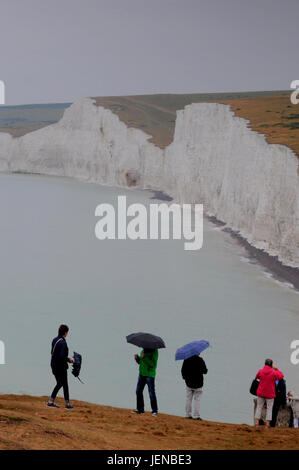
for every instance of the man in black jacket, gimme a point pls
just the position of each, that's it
(59, 366)
(280, 400)
(192, 372)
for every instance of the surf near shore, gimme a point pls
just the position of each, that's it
(272, 265)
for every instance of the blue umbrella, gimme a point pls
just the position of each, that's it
(191, 349)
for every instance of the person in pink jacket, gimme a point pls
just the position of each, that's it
(266, 390)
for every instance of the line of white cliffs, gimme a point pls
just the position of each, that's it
(214, 159)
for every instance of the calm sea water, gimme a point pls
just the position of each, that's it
(53, 270)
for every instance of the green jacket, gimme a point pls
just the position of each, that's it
(148, 364)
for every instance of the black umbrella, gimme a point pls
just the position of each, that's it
(146, 340)
(77, 363)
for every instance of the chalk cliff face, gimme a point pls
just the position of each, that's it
(215, 159)
(240, 178)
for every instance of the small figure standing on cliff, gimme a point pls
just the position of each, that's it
(192, 371)
(266, 390)
(280, 400)
(293, 402)
(147, 361)
(59, 366)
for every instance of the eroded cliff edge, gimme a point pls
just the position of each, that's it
(214, 159)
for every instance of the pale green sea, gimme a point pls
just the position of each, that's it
(54, 270)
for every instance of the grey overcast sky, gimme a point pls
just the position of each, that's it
(61, 50)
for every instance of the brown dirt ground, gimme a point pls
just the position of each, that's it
(26, 423)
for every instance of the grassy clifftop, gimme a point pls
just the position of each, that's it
(26, 423)
(270, 113)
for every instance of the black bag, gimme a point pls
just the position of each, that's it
(77, 365)
(254, 386)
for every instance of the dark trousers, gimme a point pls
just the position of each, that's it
(276, 407)
(150, 382)
(275, 411)
(61, 379)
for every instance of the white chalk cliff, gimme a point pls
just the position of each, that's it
(214, 159)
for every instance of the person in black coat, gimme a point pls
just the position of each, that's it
(59, 366)
(280, 400)
(193, 370)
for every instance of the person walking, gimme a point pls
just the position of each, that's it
(192, 371)
(266, 390)
(59, 366)
(147, 361)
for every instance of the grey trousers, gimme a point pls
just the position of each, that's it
(259, 406)
(193, 393)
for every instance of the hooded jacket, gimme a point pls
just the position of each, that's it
(267, 377)
(148, 363)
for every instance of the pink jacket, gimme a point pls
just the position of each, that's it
(268, 377)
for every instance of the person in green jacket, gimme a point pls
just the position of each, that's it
(147, 372)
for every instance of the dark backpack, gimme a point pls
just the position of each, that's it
(77, 365)
(254, 387)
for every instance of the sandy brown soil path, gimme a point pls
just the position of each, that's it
(26, 423)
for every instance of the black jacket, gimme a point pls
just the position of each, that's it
(59, 355)
(281, 393)
(193, 370)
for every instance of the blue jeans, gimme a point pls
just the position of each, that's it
(142, 381)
